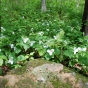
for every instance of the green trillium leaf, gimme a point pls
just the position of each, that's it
(20, 58)
(68, 53)
(1, 61)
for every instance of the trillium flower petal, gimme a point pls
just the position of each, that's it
(10, 60)
(32, 43)
(79, 49)
(83, 49)
(12, 45)
(50, 51)
(25, 39)
(75, 50)
(0, 50)
(41, 33)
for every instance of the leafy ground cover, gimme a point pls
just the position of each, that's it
(27, 33)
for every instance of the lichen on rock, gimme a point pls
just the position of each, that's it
(47, 71)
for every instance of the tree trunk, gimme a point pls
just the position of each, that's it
(85, 19)
(43, 5)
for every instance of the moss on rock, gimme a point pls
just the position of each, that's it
(31, 63)
(2, 82)
(58, 84)
(26, 80)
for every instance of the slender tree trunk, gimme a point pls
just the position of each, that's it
(43, 5)
(85, 19)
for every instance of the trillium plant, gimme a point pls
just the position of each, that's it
(52, 36)
(50, 51)
(10, 61)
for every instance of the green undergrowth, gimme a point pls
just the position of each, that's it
(27, 33)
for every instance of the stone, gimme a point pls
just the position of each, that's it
(43, 74)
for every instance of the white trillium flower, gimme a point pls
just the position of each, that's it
(47, 29)
(55, 37)
(3, 29)
(32, 29)
(40, 42)
(2, 36)
(41, 33)
(25, 39)
(32, 43)
(0, 50)
(13, 32)
(65, 42)
(78, 49)
(23, 17)
(14, 48)
(84, 49)
(45, 46)
(75, 50)
(47, 24)
(50, 51)
(10, 60)
(12, 45)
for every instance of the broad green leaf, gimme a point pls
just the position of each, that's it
(3, 57)
(50, 43)
(60, 36)
(83, 60)
(21, 58)
(27, 56)
(41, 52)
(57, 51)
(32, 58)
(17, 50)
(47, 56)
(68, 53)
(71, 63)
(1, 61)
(26, 46)
(32, 53)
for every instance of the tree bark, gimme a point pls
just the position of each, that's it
(85, 19)
(43, 5)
